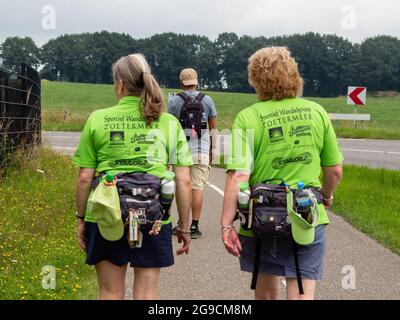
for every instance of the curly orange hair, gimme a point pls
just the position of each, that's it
(274, 74)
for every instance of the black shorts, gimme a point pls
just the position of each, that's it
(156, 252)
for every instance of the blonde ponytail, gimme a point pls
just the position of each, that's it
(135, 73)
(152, 101)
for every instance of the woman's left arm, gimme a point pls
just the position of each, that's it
(83, 187)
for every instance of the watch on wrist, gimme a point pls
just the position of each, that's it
(80, 217)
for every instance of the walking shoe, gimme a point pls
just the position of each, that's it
(195, 233)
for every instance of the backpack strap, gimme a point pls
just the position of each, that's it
(184, 96)
(200, 96)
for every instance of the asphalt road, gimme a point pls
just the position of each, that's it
(209, 272)
(371, 153)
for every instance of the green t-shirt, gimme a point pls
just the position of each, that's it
(117, 139)
(289, 139)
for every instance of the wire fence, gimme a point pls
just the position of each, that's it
(20, 109)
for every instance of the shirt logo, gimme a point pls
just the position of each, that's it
(300, 131)
(144, 138)
(117, 138)
(276, 134)
(304, 158)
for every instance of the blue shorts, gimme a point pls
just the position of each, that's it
(310, 257)
(156, 252)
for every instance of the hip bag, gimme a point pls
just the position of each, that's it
(140, 193)
(268, 218)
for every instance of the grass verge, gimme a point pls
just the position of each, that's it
(37, 228)
(66, 107)
(369, 200)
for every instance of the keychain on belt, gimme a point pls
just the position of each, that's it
(135, 236)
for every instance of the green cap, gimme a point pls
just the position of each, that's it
(109, 178)
(243, 186)
(169, 175)
(106, 210)
(303, 232)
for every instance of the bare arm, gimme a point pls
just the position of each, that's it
(83, 187)
(233, 179)
(212, 125)
(331, 179)
(183, 200)
(229, 237)
(183, 195)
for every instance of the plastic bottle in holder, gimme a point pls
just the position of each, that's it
(303, 201)
(167, 191)
(109, 179)
(244, 205)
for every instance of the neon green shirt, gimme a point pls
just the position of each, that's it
(116, 140)
(289, 139)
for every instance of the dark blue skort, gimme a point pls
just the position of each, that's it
(156, 252)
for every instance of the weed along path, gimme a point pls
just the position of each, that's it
(356, 266)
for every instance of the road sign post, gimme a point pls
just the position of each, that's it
(356, 96)
(355, 114)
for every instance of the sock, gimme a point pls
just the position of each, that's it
(195, 224)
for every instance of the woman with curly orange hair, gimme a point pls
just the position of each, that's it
(280, 146)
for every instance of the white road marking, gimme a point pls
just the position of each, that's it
(367, 151)
(397, 153)
(219, 191)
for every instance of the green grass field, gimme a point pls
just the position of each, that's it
(66, 106)
(37, 228)
(369, 200)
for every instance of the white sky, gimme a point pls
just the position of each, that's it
(353, 19)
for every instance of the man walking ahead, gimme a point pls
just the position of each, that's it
(197, 115)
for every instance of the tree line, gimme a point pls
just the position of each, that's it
(328, 63)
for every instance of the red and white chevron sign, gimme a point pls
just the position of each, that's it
(357, 96)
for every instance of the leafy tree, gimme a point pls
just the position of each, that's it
(86, 57)
(16, 50)
(380, 61)
(328, 63)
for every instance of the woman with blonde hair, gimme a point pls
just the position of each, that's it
(280, 146)
(130, 146)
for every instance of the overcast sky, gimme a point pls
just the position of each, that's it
(353, 19)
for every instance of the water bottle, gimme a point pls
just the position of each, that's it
(243, 205)
(167, 191)
(303, 201)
